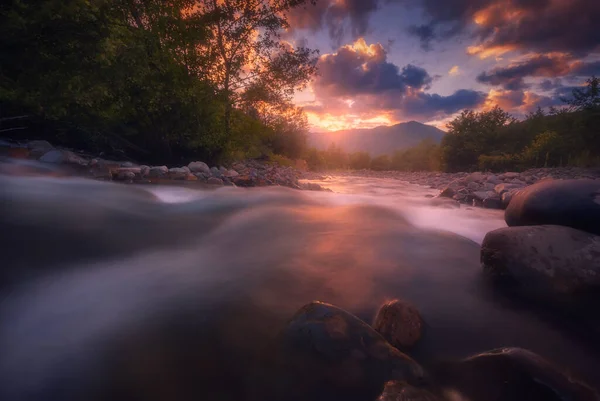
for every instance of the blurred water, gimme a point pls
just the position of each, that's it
(99, 277)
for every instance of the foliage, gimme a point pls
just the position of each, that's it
(145, 77)
(359, 161)
(381, 163)
(423, 157)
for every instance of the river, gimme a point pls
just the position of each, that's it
(98, 276)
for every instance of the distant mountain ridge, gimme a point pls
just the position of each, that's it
(378, 140)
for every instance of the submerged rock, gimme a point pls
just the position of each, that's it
(400, 323)
(571, 203)
(330, 354)
(511, 374)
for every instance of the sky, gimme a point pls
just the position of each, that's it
(388, 61)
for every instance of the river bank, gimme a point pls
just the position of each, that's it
(484, 189)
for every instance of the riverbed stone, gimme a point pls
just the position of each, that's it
(571, 203)
(330, 354)
(400, 391)
(177, 173)
(547, 262)
(510, 374)
(158, 171)
(501, 188)
(214, 181)
(215, 172)
(400, 323)
(199, 167)
(59, 156)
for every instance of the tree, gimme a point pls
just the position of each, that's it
(587, 98)
(247, 54)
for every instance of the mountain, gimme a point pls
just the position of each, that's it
(379, 140)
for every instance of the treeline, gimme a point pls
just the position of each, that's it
(493, 140)
(161, 81)
(423, 157)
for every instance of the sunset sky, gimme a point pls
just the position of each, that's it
(388, 61)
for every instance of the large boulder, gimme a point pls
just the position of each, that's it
(400, 323)
(330, 354)
(199, 167)
(545, 261)
(511, 374)
(59, 156)
(571, 203)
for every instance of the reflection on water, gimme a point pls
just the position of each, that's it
(206, 279)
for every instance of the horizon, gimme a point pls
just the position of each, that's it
(386, 62)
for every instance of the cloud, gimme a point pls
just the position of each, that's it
(338, 17)
(359, 81)
(425, 33)
(536, 25)
(550, 65)
(454, 71)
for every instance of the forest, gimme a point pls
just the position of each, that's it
(157, 81)
(493, 140)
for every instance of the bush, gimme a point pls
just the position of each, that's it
(504, 162)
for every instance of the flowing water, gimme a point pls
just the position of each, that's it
(104, 284)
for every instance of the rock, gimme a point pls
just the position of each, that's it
(330, 354)
(400, 391)
(191, 177)
(177, 173)
(243, 181)
(445, 203)
(548, 262)
(571, 203)
(126, 174)
(158, 171)
(447, 192)
(222, 169)
(509, 175)
(493, 179)
(507, 197)
(473, 186)
(187, 170)
(493, 202)
(489, 186)
(231, 174)
(214, 181)
(511, 374)
(215, 172)
(127, 164)
(400, 323)
(57, 156)
(311, 186)
(475, 177)
(483, 195)
(144, 171)
(199, 167)
(501, 188)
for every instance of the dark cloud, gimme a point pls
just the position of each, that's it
(361, 69)
(338, 17)
(511, 77)
(551, 66)
(425, 33)
(583, 69)
(538, 25)
(425, 104)
(550, 84)
(362, 74)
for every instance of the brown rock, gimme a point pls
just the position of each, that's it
(400, 323)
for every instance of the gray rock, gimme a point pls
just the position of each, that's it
(231, 174)
(158, 171)
(215, 172)
(447, 192)
(57, 156)
(215, 181)
(127, 164)
(545, 260)
(144, 170)
(125, 175)
(326, 341)
(483, 195)
(494, 179)
(199, 167)
(476, 177)
(571, 203)
(511, 374)
(509, 175)
(187, 169)
(489, 186)
(177, 173)
(222, 169)
(473, 186)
